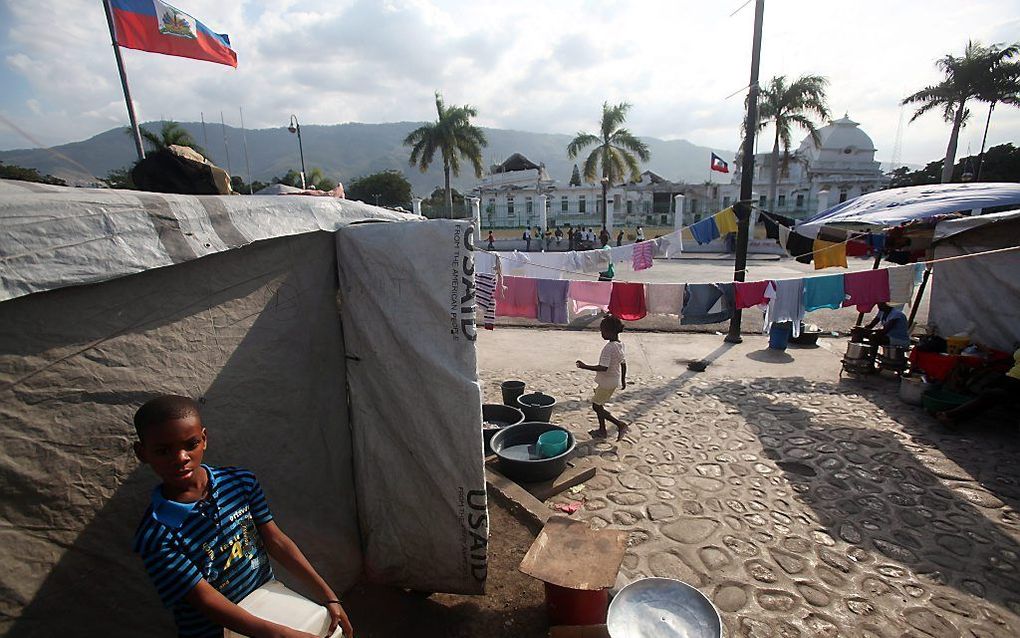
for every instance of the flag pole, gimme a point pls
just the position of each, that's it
(136, 134)
(226, 149)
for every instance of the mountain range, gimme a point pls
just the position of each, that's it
(344, 152)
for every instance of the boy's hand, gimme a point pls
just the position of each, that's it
(338, 616)
(579, 364)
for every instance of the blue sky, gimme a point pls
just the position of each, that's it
(536, 66)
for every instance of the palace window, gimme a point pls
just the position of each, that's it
(563, 204)
(528, 208)
(581, 204)
(510, 205)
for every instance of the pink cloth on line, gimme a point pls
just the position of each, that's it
(866, 288)
(628, 301)
(643, 253)
(517, 297)
(750, 294)
(589, 295)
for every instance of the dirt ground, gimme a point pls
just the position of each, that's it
(513, 606)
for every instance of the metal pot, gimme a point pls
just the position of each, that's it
(858, 351)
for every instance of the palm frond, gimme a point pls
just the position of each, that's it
(624, 139)
(591, 165)
(579, 143)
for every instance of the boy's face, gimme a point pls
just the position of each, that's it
(607, 331)
(174, 449)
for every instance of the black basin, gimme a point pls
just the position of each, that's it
(536, 406)
(518, 459)
(495, 417)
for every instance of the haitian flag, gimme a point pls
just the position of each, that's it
(153, 25)
(719, 165)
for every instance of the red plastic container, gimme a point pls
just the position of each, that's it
(938, 365)
(576, 606)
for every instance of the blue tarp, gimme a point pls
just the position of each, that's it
(898, 205)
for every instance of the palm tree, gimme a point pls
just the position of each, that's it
(454, 137)
(1000, 85)
(785, 106)
(966, 77)
(169, 134)
(612, 155)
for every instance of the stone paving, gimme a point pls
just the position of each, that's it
(804, 507)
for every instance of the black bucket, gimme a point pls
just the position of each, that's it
(536, 406)
(516, 447)
(511, 390)
(495, 417)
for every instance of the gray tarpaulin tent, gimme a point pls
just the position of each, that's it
(978, 295)
(333, 357)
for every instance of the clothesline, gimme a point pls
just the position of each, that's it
(927, 263)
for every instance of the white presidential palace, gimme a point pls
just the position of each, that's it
(814, 176)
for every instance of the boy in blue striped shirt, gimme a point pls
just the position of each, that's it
(208, 534)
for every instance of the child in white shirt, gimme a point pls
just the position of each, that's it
(610, 373)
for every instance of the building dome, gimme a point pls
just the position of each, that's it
(839, 137)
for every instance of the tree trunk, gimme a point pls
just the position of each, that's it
(449, 192)
(774, 177)
(954, 139)
(984, 140)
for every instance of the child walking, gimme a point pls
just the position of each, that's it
(610, 373)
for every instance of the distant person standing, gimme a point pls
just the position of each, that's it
(640, 234)
(559, 235)
(619, 239)
(604, 237)
(527, 240)
(570, 238)
(491, 240)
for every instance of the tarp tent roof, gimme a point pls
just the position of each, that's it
(54, 236)
(978, 295)
(899, 205)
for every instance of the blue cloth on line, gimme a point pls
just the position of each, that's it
(705, 231)
(707, 303)
(824, 292)
(552, 300)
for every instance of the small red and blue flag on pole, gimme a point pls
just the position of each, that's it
(153, 25)
(719, 165)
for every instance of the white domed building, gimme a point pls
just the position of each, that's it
(841, 166)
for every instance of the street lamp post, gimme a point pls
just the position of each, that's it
(295, 127)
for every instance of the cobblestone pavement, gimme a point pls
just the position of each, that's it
(804, 508)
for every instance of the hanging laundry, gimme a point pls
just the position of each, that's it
(866, 288)
(747, 294)
(787, 305)
(877, 242)
(828, 254)
(589, 296)
(642, 259)
(857, 248)
(670, 245)
(628, 301)
(771, 227)
(664, 299)
(622, 254)
(591, 261)
(485, 262)
(687, 234)
(800, 247)
(552, 300)
(784, 237)
(726, 221)
(823, 292)
(485, 288)
(901, 283)
(517, 297)
(832, 234)
(808, 230)
(705, 230)
(707, 303)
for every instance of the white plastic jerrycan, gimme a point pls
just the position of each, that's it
(275, 603)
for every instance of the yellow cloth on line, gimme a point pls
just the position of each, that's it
(828, 254)
(726, 220)
(687, 235)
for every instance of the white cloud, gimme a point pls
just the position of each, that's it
(528, 65)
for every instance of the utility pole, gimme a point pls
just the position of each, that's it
(743, 207)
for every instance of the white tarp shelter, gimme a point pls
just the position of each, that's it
(333, 357)
(978, 295)
(895, 206)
